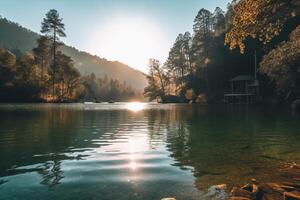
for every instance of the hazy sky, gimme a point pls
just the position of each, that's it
(130, 31)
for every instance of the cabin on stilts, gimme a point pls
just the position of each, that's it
(243, 90)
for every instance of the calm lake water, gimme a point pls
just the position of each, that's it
(131, 151)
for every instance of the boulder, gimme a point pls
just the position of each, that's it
(294, 195)
(248, 191)
(218, 192)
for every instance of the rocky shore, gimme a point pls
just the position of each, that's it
(286, 188)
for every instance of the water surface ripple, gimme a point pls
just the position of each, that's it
(139, 151)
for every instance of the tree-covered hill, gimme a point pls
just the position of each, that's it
(20, 40)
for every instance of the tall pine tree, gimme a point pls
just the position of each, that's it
(53, 27)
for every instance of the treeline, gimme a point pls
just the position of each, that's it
(45, 74)
(201, 63)
(107, 89)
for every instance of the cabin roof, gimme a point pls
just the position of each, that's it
(255, 83)
(242, 78)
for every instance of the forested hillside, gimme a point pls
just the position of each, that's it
(49, 71)
(20, 40)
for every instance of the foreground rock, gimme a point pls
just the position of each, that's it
(217, 192)
(288, 188)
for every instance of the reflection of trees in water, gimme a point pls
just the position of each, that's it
(161, 122)
(220, 145)
(43, 139)
(35, 133)
(224, 146)
(49, 169)
(2, 181)
(51, 173)
(39, 142)
(156, 125)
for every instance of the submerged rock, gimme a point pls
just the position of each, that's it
(240, 194)
(218, 192)
(247, 192)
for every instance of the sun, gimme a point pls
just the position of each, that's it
(135, 106)
(129, 40)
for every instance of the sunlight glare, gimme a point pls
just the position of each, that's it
(133, 165)
(131, 40)
(135, 106)
(136, 145)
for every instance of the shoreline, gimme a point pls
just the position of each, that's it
(287, 187)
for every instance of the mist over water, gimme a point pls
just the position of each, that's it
(139, 150)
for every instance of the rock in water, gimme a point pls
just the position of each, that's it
(168, 198)
(218, 192)
(221, 187)
(291, 195)
(240, 194)
(247, 192)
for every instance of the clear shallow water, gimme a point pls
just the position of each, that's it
(139, 151)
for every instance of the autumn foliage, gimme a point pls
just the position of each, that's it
(262, 19)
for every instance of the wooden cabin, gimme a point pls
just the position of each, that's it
(243, 90)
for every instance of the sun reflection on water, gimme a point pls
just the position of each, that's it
(134, 148)
(135, 106)
(130, 150)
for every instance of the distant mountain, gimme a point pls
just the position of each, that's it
(19, 40)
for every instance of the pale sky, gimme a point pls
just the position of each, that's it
(130, 31)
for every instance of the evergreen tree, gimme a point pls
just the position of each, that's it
(202, 44)
(178, 63)
(42, 55)
(218, 21)
(68, 77)
(53, 27)
(7, 66)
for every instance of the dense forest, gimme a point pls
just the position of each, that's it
(20, 40)
(46, 74)
(224, 45)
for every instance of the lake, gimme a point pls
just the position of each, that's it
(146, 151)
